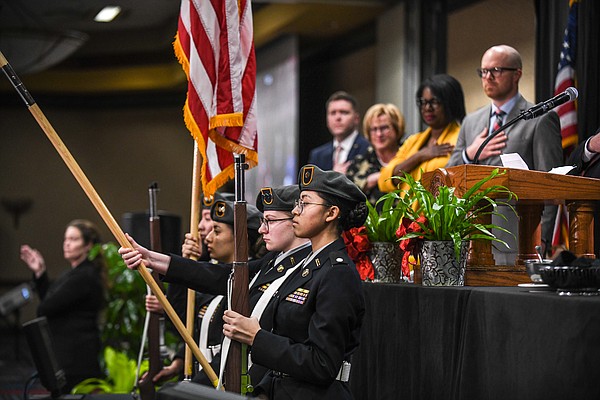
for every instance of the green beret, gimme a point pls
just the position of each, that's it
(207, 201)
(334, 183)
(222, 211)
(280, 198)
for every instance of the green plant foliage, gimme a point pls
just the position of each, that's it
(121, 375)
(125, 312)
(381, 225)
(449, 217)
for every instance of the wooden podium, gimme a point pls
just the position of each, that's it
(534, 190)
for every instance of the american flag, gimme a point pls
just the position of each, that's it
(567, 113)
(214, 44)
(566, 78)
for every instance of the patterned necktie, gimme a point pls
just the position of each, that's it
(336, 155)
(499, 114)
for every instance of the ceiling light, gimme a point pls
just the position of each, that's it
(107, 14)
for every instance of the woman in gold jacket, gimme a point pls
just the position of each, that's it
(442, 105)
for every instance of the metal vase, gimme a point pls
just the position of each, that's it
(439, 266)
(387, 261)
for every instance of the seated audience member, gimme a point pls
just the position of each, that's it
(537, 141)
(342, 121)
(73, 302)
(383, 125)
(442, 106)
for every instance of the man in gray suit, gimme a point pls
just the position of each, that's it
(538, 140)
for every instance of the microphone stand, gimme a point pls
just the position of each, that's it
(522, 115)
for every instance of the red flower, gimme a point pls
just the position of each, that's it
(410, 246)
(358, 245)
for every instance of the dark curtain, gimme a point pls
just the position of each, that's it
(551, 22)
(588, 67)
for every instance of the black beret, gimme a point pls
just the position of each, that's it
(207, 201)
(280, 198)
(222, 211)
(334, 183)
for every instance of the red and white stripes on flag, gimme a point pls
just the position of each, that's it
(565, 78)
(215, 46)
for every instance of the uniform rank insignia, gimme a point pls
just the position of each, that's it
(299, 296)
(280, 268)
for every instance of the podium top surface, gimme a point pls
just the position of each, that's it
(526, 184)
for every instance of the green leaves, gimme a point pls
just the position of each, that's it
(382, 226)
(121, 375)
(450, 217)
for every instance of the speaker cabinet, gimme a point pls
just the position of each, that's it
(40, 344)
(137, 225)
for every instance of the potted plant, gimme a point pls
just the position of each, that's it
(374, 246)
(437, 228)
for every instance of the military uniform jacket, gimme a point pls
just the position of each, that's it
(211, 279)
(317, 316)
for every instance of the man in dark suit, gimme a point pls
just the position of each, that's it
(537, 140)
(343, 121)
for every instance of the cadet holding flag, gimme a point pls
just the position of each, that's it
(318, 310)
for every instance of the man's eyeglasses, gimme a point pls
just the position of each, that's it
(496, 71)
(433, 103)
(266, 222)
(299, 204)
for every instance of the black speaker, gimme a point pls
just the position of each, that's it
(194, 391)
(41, 346)
(137, 225)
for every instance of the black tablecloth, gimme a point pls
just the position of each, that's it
(476, 343)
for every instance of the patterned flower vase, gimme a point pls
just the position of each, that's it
(387, 261)
(439, 266)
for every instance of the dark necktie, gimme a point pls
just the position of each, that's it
(499, 114)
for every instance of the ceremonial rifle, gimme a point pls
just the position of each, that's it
(236, 369)
(104, 212)
(146, 385)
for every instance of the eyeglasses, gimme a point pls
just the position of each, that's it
(496, 71)
(266, 222)
(433, 103)
(382, 129)
(301, 203)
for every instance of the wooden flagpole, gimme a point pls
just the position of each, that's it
(194, 220)
(102, 209)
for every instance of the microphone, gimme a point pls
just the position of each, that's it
(545, 106)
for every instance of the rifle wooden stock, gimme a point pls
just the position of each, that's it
(146, 385)
(239, 301)
(110, 221)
